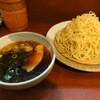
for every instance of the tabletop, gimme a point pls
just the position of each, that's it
(64, 82)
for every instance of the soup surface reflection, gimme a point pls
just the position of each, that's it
(23, 60)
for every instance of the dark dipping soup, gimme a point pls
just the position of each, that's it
(16, 55)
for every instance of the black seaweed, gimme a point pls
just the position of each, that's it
(10, 66)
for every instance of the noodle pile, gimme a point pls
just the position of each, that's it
(80, 39)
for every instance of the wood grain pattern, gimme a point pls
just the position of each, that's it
(63, 83)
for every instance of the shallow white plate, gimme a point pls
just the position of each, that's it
(51, 35)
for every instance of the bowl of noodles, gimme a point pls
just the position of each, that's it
(77, 42)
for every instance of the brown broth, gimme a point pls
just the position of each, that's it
(39, 69)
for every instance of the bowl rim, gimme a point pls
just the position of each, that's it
(40, 75)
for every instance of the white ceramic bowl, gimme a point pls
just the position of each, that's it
(27, 36)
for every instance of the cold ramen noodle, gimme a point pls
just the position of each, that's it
(23, 60)
(80, 39)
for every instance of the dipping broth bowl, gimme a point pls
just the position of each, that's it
(20, 36)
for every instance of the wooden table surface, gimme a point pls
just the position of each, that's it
(63, 83)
